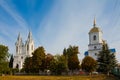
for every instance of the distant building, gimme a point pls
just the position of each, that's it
(95, 42)
(23, 50)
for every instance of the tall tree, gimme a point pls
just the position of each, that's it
(11, 61)
(48, 60)
(89, 64)
(71, 55)
(4, 66)
(57, 65)
(66, 58)
(38, 59)
(106, 60)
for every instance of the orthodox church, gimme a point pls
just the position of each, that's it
(95, 42)
(23, 50)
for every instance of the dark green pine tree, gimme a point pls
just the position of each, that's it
(66, 58)
(106, 60)
(11, 62)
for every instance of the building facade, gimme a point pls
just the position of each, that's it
(23, 50)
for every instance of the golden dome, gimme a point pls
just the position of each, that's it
(95, 29)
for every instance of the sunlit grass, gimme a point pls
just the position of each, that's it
(94, 77)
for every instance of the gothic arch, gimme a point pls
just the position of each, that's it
(17, 66)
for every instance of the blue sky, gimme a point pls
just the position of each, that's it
(56, 24)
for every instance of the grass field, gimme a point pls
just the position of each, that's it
(94, 77)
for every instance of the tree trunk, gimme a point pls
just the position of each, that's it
(108, 73)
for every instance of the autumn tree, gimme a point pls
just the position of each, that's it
(48, 59)
(89, 64)
(71, 55)
(38, 59)
(106, 60)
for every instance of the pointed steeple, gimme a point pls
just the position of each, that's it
(19, 40)
(94, 22)
(19, 37)
(30, 36)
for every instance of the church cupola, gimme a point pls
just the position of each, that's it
(95, 28)
(95, 34)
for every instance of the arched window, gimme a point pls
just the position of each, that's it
(21, 57)
(17, 66)
(94, 37)
(95, 54)
(95, 47)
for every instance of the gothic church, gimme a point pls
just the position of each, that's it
(23, 50)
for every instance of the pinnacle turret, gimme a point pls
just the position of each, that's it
(30, 36)
(19, 39)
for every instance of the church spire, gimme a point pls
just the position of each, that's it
(19, 37)
(94, 22)
(30, 36)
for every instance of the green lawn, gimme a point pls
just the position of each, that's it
(94, 77)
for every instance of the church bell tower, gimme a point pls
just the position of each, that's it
(95, 41)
